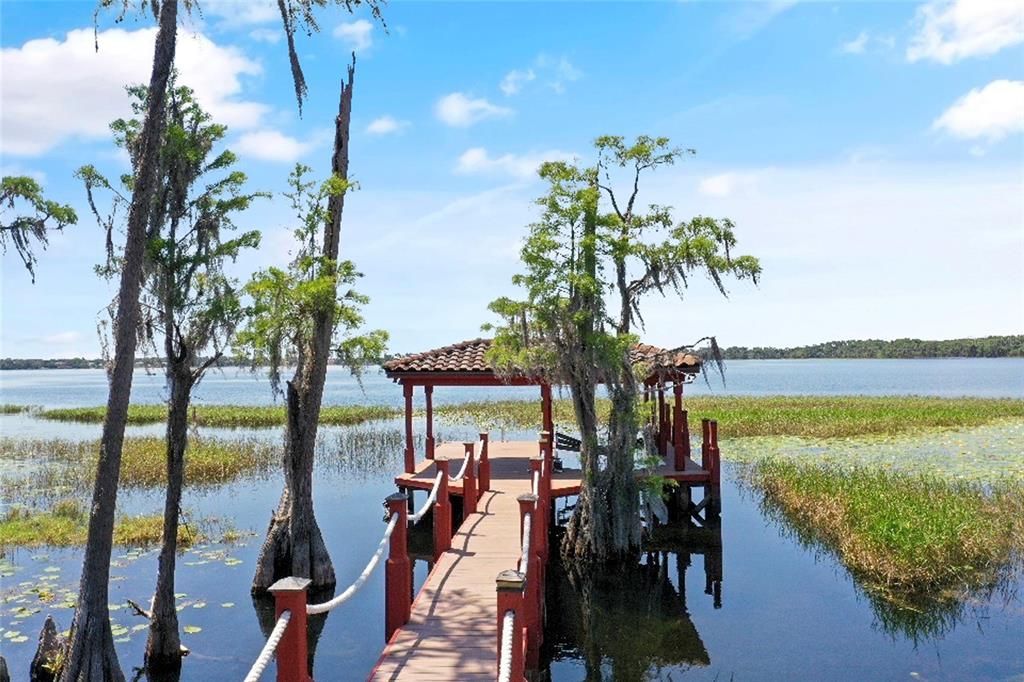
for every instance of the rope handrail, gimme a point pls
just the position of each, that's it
(415, 518)
(268, 649)
(330, 604)
(505, 662)
(524, 559)
(536, 482)
(462, 472)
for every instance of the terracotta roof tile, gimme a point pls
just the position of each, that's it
(468, 356)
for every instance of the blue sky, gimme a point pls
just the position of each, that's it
(870, 153)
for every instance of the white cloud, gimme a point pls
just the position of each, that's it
(53, 90)
(855, 46)
(461, 111)
(557, 72)
(358, 34)
(385, 125)
(513, 81)
(725, 184)
(266, 35)
(523, 166)
(989, 113)
(951, 30)
(272, 145)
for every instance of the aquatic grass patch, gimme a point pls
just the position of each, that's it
(229, 416)
(904, 536)
(44, 470)
(746, 416)
(6, 408)
(66, 524)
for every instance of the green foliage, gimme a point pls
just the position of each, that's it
(986, 347)
(288, 303)
(186, 294)
(231, 416)
(27, 215)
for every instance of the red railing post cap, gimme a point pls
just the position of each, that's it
(290, 584)
(527, 497)
(395, 497)
(484, 435)
(469, 446)
(511, 580)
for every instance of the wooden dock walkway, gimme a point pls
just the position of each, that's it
(452, 631)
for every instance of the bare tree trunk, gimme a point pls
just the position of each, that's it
(294, 544)
(91, 655)
(163, 647)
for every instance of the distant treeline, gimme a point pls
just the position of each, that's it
(987, 347)
(84, 363)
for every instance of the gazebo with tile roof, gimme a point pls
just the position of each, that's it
(465, 364)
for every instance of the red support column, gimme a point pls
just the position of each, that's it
(292, 660)
(686, 435)
(662, 429)
(397, 569)
(410, 453)
(428, 392)
(531, 594)
(547, 410)
(705, 444)
(716, 470)
(442, 512)
(509, 585)
(469, 494)
(485, 464)
(677, 427)
(541, 517)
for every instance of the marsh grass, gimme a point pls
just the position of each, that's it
(741, 416)
(230, 416)
(66, 524)
(45, 470)
(13, 409)
(904, 536)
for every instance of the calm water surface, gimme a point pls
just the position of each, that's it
(784, 613)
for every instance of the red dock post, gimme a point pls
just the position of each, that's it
(705, 444)
(397, 569)
(469, 494)
(292, 660)
(716, 469)
(410, 454)
(547, 409)
(678, 435)
(509, 585)
(686, 435)
(662, 427)
(428, 392)
(485, 464)
(540, 518)
(442, 512)
(531, 593)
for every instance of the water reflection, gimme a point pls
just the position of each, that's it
(629, 623)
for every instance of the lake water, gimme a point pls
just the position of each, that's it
(785, 612)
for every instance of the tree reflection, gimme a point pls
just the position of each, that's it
(625, 622)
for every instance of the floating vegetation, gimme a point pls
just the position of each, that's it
(982, 453)
(233, 416)
(13, 409)
(806, 416)
(66, 524)
(920, 545)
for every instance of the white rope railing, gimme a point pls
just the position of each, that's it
(524, 560)
(415, 518)
(462, 472)
(263, 660)
(361, 580)
(536, 482)
(505, 662)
